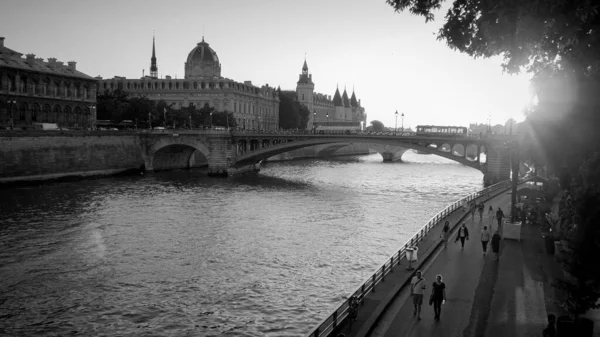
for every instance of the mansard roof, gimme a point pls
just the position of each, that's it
(12, 59)
(337, 98)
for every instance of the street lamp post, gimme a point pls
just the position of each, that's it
(396, 127)
(258, 123)
(149, 120)
(210, 119)
(327, 118)
(165, 116)
(402, 123)
(314, 120)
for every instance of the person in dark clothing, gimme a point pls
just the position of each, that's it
(438, 296)
(499, 216)
(463, 234)
(496, 245)
(550, 330)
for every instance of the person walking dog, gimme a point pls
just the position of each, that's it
(438, 296)
(485, 238)
(417, 289)
(463, 234)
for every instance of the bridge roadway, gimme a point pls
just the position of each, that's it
(484, 297)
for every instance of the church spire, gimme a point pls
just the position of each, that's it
(153, 67)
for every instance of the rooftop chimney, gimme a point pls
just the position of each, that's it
(60, 63)
(72, 65)
(30, 58)
(1, 42)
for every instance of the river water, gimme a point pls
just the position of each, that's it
(181, 254)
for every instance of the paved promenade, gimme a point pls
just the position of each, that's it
(509, 297)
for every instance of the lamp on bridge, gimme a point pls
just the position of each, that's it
(91, 116)
(314, 120)
(402, 123)
(210, 119)
(396, 127)
(327, 119)
(258, 123)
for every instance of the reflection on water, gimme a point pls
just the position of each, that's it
(178, 253)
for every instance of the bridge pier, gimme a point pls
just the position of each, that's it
(388, 157)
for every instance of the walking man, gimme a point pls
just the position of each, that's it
(496, 245)
(463, 234)
(485, 238)
(499, 216)
(417, 289)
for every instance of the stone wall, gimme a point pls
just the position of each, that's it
(46, 155)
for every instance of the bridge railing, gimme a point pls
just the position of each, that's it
(331, 323)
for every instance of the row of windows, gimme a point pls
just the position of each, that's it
(184, 85)
(45, 87)
(68, 116)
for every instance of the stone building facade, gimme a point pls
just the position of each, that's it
(36, 91)
(253, 107)
(340, 110)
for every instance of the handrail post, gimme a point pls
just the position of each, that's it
(335, 318)
(383, 273)
(373, 283)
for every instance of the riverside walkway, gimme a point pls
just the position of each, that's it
(509, 297)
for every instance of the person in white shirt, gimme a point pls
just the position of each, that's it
(485, 238)
(417, 289)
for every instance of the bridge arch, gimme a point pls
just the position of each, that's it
(177, 153)
(255, 157)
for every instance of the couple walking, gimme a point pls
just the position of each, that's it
(418, 284)
(486, 236)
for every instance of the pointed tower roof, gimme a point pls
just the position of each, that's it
(304, 78)
(337, 98)
(153, 67)
(305, 66)
(353, 101)
(345, 99)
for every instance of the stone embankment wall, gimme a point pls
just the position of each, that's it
(44, 155)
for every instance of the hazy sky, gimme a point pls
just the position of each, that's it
(393, 61)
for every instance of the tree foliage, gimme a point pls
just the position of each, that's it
(376, 126)
(292, 114)
(558, 42)
(117, 106)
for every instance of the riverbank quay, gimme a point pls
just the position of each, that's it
(469, 278)
(508, 297)
(379, 291)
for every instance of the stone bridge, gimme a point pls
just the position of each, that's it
(230, 152)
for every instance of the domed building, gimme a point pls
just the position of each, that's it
(202, 62)
(253, 107)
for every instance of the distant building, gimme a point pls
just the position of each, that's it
(340, 110)
(35, 91)
(253, 107)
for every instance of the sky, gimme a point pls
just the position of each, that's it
(392, 60)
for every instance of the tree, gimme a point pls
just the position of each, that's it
(112, 105)
(376, 126)
(558, 42)
(303, 116)
(289, 110)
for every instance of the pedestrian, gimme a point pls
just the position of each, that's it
(446, 232)
(417, 289)
(485, 238)
(499, 216)
(438, 296)
(550, 330)
(481, 209)
(496, 245)
(463, 234)
(491, 215)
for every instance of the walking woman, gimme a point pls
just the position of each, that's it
(485, 238)
(446, 233)
(491, 215)
(438, 296)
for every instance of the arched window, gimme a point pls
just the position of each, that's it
(35, 112)
(78, 117)
(22, 111)
(68, 113)
(57, 114)
(46, 114)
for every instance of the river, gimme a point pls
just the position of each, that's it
(181, 254)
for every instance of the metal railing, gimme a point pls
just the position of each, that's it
(331, 323)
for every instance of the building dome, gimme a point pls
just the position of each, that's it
(202, 62)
